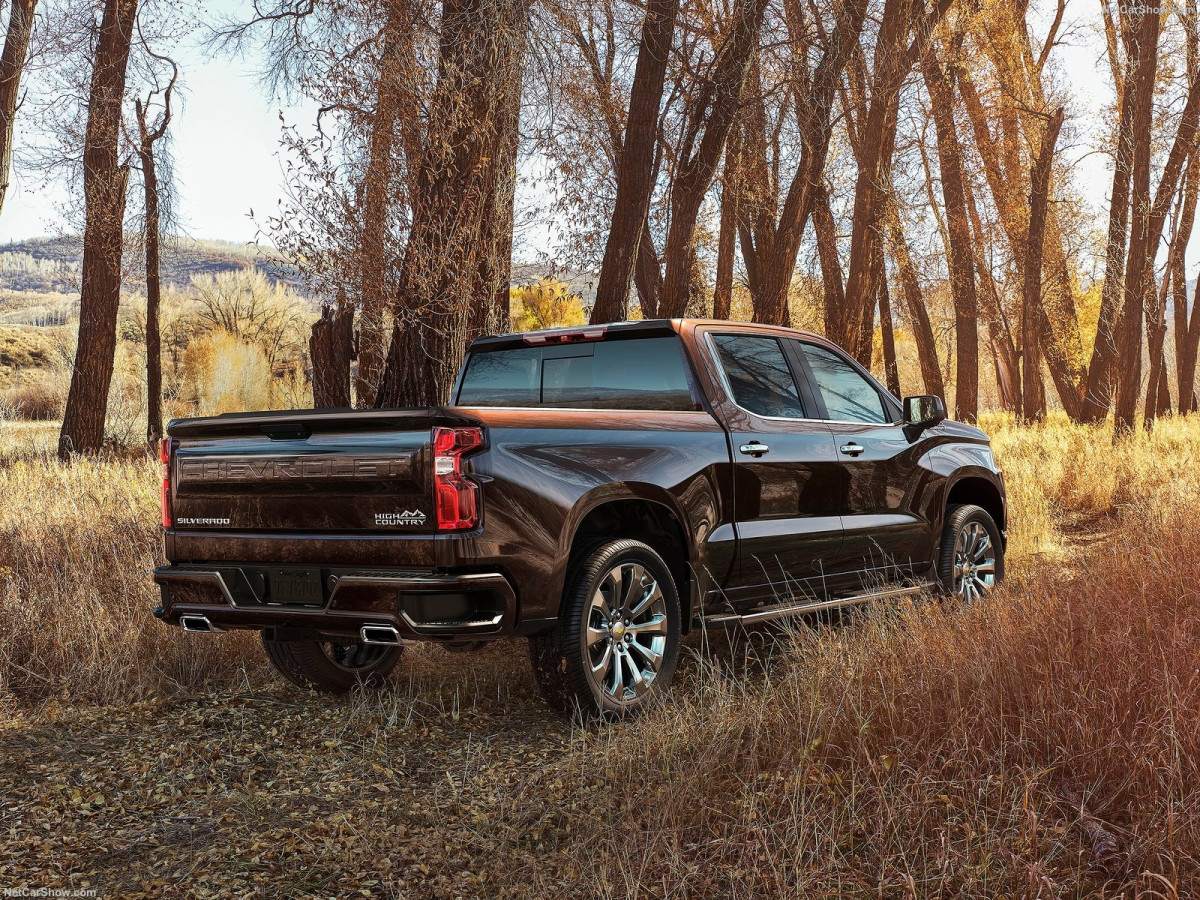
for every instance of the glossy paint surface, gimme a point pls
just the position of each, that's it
(334, 489)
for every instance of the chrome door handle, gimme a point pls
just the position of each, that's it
(852, 449)
(755, 449)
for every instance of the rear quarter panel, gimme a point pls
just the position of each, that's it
(544, 470)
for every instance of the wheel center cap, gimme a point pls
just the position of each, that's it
(618, 630)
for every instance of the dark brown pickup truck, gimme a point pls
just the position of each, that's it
(597, 490)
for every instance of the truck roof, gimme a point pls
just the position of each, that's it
(583, 333)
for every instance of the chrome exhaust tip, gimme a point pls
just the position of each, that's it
(386, 635)
(197, 625)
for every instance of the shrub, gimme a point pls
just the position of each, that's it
(545, 304)
(223, 373)
(36, 400)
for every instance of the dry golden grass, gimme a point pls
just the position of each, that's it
(921, 751)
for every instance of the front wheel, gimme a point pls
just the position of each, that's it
(971, 555)
(617, 641)
(332, 667)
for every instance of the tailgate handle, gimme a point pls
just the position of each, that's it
(287, 431)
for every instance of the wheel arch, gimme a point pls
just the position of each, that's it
(638, 515)
(982, 491)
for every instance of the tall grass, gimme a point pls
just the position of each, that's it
(77, 544)
(935, 750)
(926, 750)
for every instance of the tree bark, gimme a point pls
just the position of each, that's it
(648, 276)
(712, 116)
(104, 181)
(959, 253)
(12, 64)
(377, 192)
(727, 237)
(827, 253)
(1098, 392)
(635, 162)
(1139, 273)
(1186, 328)
(148, 136)
(437, 311)
(330, 348)
(1033, 398)
(891, 368)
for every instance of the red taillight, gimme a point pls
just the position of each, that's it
(164, 453)
(455, 496)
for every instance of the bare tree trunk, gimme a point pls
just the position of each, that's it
(12, 64)
(727, 237)
(330, 349)
(104, 181)
(827, 253)
(635, 161)
(1033, 398)
(891, 368)
(1187, 347)
(377, 191)
(959, 253)
(148, 136)
(712, 116)
(777, 246)
(894, 57)
(927, 355)
(154, 414)
(1004, 350)
(1098, 393)
(1002, 166)
(439, 293)
(1139, 275)
(648, 276)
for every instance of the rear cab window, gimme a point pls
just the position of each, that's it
(646, 373)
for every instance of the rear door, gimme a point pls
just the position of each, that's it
(789, 531)
(878, 477)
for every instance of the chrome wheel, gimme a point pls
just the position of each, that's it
(354, 657)
(974, 562)
(626, 632)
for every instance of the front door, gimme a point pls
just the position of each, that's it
(884, 536)
(786, 473)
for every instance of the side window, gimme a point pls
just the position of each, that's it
(848, 396)
(759, 375)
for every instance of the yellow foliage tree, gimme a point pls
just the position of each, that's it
(545, 304)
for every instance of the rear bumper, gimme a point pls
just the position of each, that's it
(420, 605)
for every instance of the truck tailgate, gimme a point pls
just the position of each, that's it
(319, 470)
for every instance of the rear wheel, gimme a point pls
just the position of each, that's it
(971, 556)
(617, 641)
(333, 667)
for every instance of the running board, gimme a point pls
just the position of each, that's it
(782, 611)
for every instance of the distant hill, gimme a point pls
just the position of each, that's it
(52, 265)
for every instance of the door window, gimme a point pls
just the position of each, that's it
(849, 397)
(759, 375)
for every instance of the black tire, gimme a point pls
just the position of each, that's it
(332, 667)
(563, 661)
(965, 569)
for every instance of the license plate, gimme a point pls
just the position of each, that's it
(295, 587)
